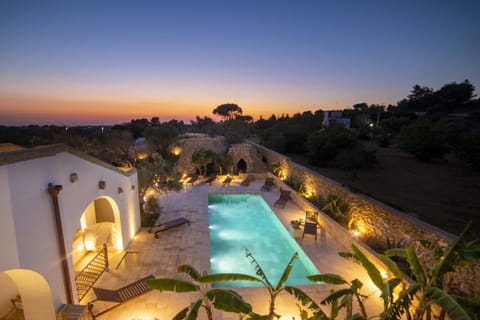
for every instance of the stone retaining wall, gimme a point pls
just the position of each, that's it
(373, 219)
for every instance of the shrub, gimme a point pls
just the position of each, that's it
(324, 146)
(150, 212)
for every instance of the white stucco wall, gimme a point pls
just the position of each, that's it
(8, 241)
(33, 216)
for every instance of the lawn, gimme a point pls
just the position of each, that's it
(443, 194)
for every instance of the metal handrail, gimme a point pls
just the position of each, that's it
(90, 264)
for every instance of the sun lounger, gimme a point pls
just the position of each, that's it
(284, 197)
(226, 182)
(268, 184)
(172, 224)
(249, 179)
(211, 179)
(121, 295)
(192, 180)
(310, 228)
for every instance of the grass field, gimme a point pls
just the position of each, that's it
(442, 194)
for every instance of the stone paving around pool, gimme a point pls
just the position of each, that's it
(191, 245)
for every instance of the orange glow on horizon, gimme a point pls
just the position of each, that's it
(22, 110)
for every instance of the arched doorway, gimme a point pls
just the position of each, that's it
(25, 292)
(99, 224)
(241, 166)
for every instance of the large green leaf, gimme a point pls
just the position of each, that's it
(188, 269)
(392, 266)
(447, 303)
(304, 298)
(254, 316)
(402, 304)
(258, 269)
(416, 266)
(396, 252)
(349, 256)
(328, 278)
(387, 291)
(176, 285)
(447, 263)
(286, 271)
(193, 314)
(336, 295)
(228, 300)
(224, 277)
(370, 267)
(182, 314)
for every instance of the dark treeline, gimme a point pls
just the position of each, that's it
(429, 124)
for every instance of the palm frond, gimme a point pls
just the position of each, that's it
(334, 296)
(370, 267)
(304, 298)
(402, 304)
(191, 271)
(436, 250)
(228, 300)
(258, 270)
(447, 303)
(286, 271)
(182, 314)
(447, 263)
(392, 266)
(329, 278)
(396, 252)
(349, 256)
(416, 266)
(175, 285)
(193, 314)
(387, 291)
(224, 277)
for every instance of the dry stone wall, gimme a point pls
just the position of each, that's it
(373, 219)
(191, 144)
(249, 154)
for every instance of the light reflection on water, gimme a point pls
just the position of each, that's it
(238, 222)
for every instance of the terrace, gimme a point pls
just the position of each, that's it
(190, 245)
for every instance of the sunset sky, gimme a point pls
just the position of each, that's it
(104, 62)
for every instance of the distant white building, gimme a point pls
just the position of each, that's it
(335, 117)
(54, 201)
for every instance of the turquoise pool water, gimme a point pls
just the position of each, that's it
(246, 221)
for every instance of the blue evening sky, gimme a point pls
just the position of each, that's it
(177, 59)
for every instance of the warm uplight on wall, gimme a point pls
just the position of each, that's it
(83, 222)
(142, 155)
(176, 151)
(89, 245)
(356, 233)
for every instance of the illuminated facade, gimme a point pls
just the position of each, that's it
(53, 202)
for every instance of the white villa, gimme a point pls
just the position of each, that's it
(56, 206)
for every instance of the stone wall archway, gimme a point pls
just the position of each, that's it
(245, 158)
(241, 166)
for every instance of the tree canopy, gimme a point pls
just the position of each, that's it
(228, 111)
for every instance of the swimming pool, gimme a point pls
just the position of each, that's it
(242, 221)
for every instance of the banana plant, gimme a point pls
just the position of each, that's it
(432, 283)
(221, 299)
(273, 290)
